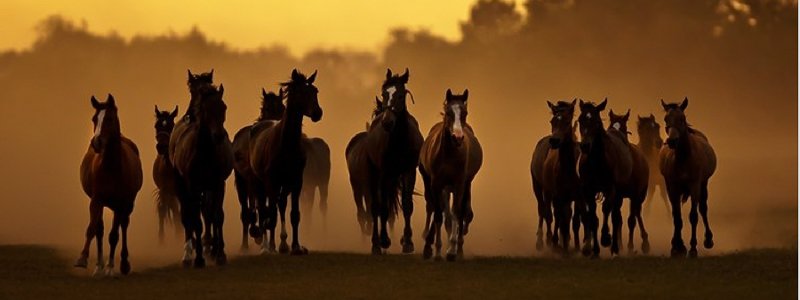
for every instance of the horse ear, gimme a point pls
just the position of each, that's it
(174, 112)
(663, 104)
(280, 94)
(581, 102)
(628, 114)
(110, 100)
(312, 78)
(212, 73)
(573, 103)
(189, 74)
(221, 90)
(611, 113)
(95, 103)
(550, 105)
(652, 116)
(404, 77)
(157, 110)
(263, 93)
(602, 105)
(466, 95)
(294, 74)
(388, 73)
(449, 94)
(685, 103)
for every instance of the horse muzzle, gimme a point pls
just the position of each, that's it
(316, 116)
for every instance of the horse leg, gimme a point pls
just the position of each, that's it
(99, 237)
(218, 198)
(564, 215)
(616, 220)
(576, 225)
(591, 246)
(551, 234)
(662, 187)
(457, 217)
(407, 194)
(360, 212)
(636, 210)
(709, 236)
(113, 239)
(124, 264)
(540, 208)
(163, 211)
(678, 248)
(207, 220)
(175, 211)
(376, 212)
(95, 214)
(606, 205)
(388, 196)
(282, 202)
(197, 220)
(295, 219)
(307, 195)
(429, 232)
(323, 203)
(244, 215)
(693, 218)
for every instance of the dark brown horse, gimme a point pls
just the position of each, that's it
(358, 169)
(278, 159)
(650, 143)
(449, 160)
(635, 188)
(248, 186)
(111, 175)
(605, 166)
(201, 152)
(393, 142)
(687, 163)
(559, 179)
(164, 174)
(316, 176)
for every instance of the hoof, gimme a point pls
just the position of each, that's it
(645, 247)
(438, 258)
(267, 251)
(693, 253)
(539, 245)
(708, 243)
(460, 253)
(586, 250)
(408, 247)
(386, 242)
(244, 249)
(98, 271)
(109, 271)
(255, 233)
(284, 248)
(125, 267)
(605, 239)
(427, 252)
(299, 250)
(221, 259)
(199, 263)
(186, 263)
(678, 252)
(81, 262)
(451, 257)
(376, 250)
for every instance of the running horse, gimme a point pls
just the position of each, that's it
(111, 175)
(358, 170)
(248, 187)
(201, 152)
(278, 158)
(650, 143)
(164, 175)
(605, 166)
(558, 177)
(636, 187)
(687, 162)
(392, 145)
(449, 160)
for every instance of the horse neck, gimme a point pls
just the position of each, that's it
(684, 149)
(566, 152)
(291, 125)
(447, 143)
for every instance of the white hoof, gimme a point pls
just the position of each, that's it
(109, 271)
(98, 271)
(188, 251)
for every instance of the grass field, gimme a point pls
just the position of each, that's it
(35, 272)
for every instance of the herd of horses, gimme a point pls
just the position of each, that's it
(274, 163)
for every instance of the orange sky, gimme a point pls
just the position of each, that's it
(301, 25)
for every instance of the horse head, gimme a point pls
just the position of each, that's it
(675, 121)
(302, 95)
(165, 122)
(561, 126)
(272, 107)
(591, 126)
(619, 122)
(106, 123)
(210, 111)
(648, 128)
(393, 93)
(455, 115)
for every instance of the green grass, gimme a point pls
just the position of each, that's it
(33, 272)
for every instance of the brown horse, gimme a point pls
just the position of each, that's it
(559, 179)
(316, 176)
(635, 188)
(248, 186)
(449, 160)
(687, 162)
(278, 159)
(650, 143)
(358, 169)
(605, 166)
(164, 174)
(111, 175)
(392, 145)
(201, 152)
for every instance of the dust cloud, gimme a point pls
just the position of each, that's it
(737, 64)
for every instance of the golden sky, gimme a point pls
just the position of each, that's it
(302, 25)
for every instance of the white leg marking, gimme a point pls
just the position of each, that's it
(188, 251)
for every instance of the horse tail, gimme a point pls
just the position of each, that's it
(162, 199)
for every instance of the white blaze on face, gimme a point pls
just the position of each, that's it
(164, 123)
(99, 126)
(588, 115)
(458, 128)
(390, 90)
(616, 125)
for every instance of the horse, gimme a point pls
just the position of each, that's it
(450, 158)
(605, 165)
(248, 186)
(316, 176)
(111, 175)
(202, 154)
(164, 175)
(197, 83)
(278, 159)
(557, 180)
(358, 170)
(650, 143)
(392, 145)
(637, 185)
(687, 162)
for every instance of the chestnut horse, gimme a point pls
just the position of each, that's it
(687, 162)
(278, 159)
(637, 185)
(248, 187)
(392, 145)
(358, 169)
(201, 152)
(605, 166)
(164, 174)
(449, 160)
(559, 179)
(111, 175)
(650, 143)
